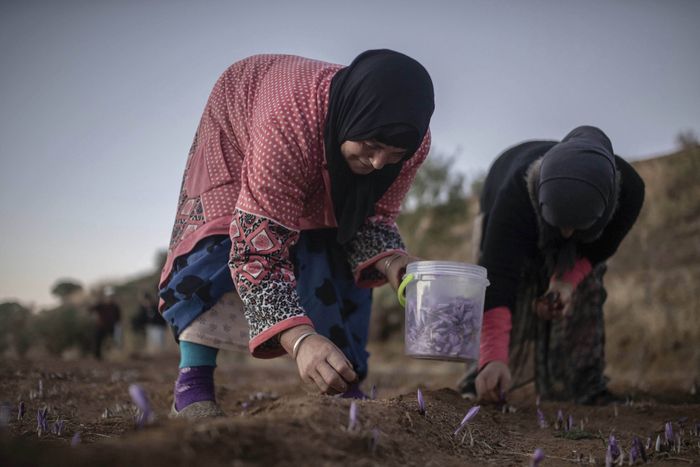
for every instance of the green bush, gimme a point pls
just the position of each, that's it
(63, 328)
(15, 328)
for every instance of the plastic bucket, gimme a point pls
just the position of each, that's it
(444, 302)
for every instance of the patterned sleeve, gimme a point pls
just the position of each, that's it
(379, 237)
(263, 229)
(263, 275)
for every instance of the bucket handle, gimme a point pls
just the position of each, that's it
(401, 293)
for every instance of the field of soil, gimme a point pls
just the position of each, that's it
(272, 420)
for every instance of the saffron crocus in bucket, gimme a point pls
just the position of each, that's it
(140, 398)
(470, 414)
(421, 403)
(352, 417)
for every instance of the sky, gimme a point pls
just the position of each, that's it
(99, 101)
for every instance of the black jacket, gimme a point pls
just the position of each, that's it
(511, 228)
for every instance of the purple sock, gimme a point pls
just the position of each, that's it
(194, 384)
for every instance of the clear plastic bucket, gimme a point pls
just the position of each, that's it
(444, 303)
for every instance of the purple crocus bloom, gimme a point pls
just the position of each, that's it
(560, 420)
(352, 418)
(75, 440)
(373, 392)
(421, 403)
(57, 427)
(140, 398)
(537, 457)
(21, 410)
(540, 419)
(470, 414)
(638, 450)
(570, 423)
(668, 432)
(608, 458)
(374, 441)
(613, 447)
(657, 446)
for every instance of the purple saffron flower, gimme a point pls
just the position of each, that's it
(374, 440)
(373, 392)
(470, 414)
(637, 451)
(140, 398)
(421, 403)
(537, 457)
(657, 446)
(540, 419)
(21, 410)
(613, 447)
(352, 418)
(57, 428)
(570, 423)
(40, 422)
(560, 420)
(608, 458)
(75, 440)
(668, 432)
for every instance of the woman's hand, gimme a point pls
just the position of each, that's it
(492, 381)
(319, 361)
(556, 302)
(394, 267)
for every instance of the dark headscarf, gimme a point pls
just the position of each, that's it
(383, 95)
(577, 188)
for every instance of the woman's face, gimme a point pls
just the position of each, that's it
(366, 156)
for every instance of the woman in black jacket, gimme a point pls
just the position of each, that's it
(552, 213)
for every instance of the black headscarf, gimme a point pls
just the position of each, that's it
(383, 95)
(578, 188)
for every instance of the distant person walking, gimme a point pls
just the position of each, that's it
(108, 324)
(552, 213)
(287, 212)
(149, 324)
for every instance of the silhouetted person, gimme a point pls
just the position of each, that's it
(108, 317)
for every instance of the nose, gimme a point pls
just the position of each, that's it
(378, 160)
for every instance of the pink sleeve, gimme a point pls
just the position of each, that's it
(495, 336)
(577, 273)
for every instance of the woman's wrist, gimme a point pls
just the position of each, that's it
(384, 264)
(289, 336)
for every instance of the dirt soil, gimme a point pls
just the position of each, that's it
(272, 420)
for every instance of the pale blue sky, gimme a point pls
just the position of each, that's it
(99, 100)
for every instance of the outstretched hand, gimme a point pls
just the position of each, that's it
(556, 302)
(319, 361)
(492, 381)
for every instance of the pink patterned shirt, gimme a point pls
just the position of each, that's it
(257, 171)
